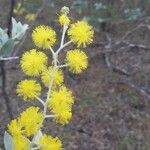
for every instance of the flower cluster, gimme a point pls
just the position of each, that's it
(59, 99)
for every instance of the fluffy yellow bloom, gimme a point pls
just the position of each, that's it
(33, 62)
(30, 121)
(63, 117)
(44, 36)
(60, 104)
(14, 128)
(77, 60)
(50, 143)
(21, 143)
(57, 79)
(64, 20)
(81, 33)
(28, 89)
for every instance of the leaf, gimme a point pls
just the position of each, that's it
(18, 29)
(3, 37)
(8, 141)
(37, 137)
(7, 48)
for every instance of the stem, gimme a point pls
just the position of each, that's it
(52, 51)
(40, 100)
(9, 58)
(50, 116)
(63, 46)
(62, 66)
(63, 35)
(51, 82)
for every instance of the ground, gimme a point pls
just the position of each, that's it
(111, 110)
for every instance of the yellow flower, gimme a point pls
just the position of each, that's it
(64, 20)
(77, 60)
(14, 128)
(19, 10)
(81, 33)
(50, 143)
(60, 104)
(44, 36)
(63, 117)
(57, 79)
(33, 62)
(28, 89)
(30, 17)
(30, 121)
(21, 143)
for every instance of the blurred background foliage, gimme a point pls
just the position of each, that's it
(97, 12)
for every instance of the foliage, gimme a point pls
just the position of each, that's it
(133, 14)
(7, 43)
(99, 12)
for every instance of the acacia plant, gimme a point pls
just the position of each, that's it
(25, 132)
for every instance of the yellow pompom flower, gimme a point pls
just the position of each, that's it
(33, 62)
(28, 89)
(44, 36)
(21, 143)
(30, 121)
(77, 60)
(64, 20)
(13, 128)
(81, 33)
(63, 117)
(60, 103)
(58, 77)
(50, 143)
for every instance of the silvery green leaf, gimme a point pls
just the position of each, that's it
(18, 29)
(7, 48)
(3, 37)
(100, 6)
(8, 141)
(37, 137)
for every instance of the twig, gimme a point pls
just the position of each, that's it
(143, 92)
(9, 26)
(106, 54)
(9, 58)
(7, 101)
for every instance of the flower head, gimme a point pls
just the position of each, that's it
(30, 121)
(58, 77)
(33, 62)
(64, 20)
(21, 143)
(77, 61)
(14, 128)
(60, 104)
(44, 36)
(50, 143)
(63, 117)
(81, 33)
(28, 89)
